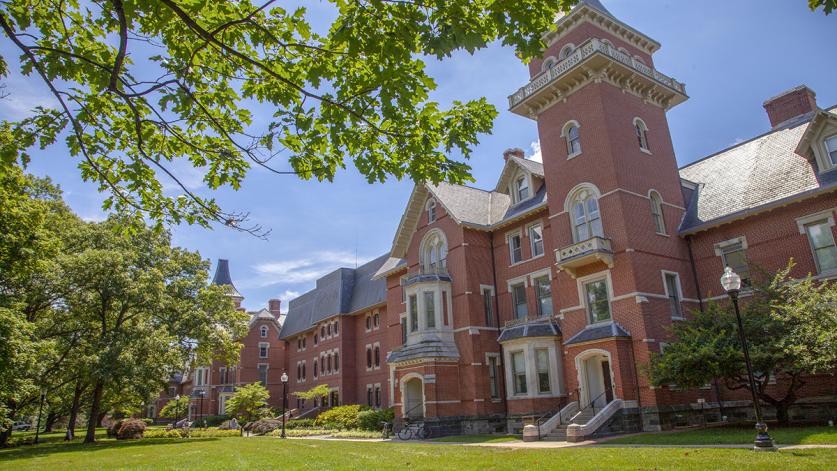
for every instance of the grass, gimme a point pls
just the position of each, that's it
(733, 436)
(478, 439)
(273, 453)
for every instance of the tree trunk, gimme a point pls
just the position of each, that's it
(51, 418)
(782, 414)
(101, 418)
(71, 425)
(4, 436)
(94, 419)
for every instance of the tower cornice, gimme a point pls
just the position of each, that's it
(584, 13)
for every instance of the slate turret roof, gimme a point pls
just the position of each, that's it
(222, 278)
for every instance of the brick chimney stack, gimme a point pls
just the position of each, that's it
(790, 104)
(513, 152)
(273, 306)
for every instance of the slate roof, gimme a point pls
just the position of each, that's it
(425, 349)
(342, 291)
(534, 329)
(222, 278)
(598, 332)
(483, 208)
(754, 173)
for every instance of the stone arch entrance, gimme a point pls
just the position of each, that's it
(412, 391)
(595, 377)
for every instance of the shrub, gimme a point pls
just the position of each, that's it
(341, 417)
(229, 425)
(148, 421)
(130, 429)
(302, 432)
(214, 432)
(371, 419)
(158, 433)
(215, 420)
(114, 427)
(356, 434)
(300, 423)
(263, 426)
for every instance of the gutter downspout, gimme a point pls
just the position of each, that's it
(497, 321)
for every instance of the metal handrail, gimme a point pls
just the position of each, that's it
(592, 403)
(540, 420)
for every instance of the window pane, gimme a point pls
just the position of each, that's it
(736, 258)
(673, 296)
(413, 313)
(597, 301)
(492, 377)
(831, 145)
(542, 365)
(519, 373)
(822, 241)
(519, 300)
(544, 290)
(489, 308)
(429, 309)
(536, 237)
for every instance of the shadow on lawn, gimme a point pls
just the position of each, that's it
(34, 451)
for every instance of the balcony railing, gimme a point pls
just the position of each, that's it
(582, 52)
(586, 252)
(435, 272)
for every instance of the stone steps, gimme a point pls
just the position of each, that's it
(559, 434)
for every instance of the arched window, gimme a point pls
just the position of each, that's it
(369, 357)
(521, 188)
(376, 320)
(641, 131)
(573, 138)
(329, 363)
(566, 51)
(434, 252)
(586, 220)
(322, 332)
(657, 212)
(336, 327)
(431, 210)
(548, 63)
(377, 356)
(263, 331)
(315, 368)
(336, 362)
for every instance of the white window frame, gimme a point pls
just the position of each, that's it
(266, 347)
(530, 231)
(514, 373)
(377, 346)
(582, 194)
(802, 223)
(572, 152)
(490, 316)
(266, 372)
(514, 299)
(519, 234)
(430, 207)
(263, 332)
(538, 371)
(657, 213)
(641, 133)
(827, 159)
(721, 251)
(678, 294)
(495, 384)
(582, 295)
(522, 182)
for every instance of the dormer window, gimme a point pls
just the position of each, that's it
(566, 51)
(831, 149)
(573, 139)
(521, 186)
(431, 210)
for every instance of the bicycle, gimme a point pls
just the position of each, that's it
(413, 430)
(386, 432)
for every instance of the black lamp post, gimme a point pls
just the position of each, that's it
(284, 379)
(732, 285)
(176, 410)
(40, 411)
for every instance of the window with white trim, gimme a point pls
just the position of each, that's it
(488, 306)
(263, 331)
(521, 188)
(543, 290)
(263, 348)
(262, 373)
(431, 210)
(734, 255)
(518, 369)
(493, 377)
(413, 307)
(434, 252)
(369, 357)
(598, 301)
(548, 64)
(641, 131)
(536, 239)
(377, 395)
(831, 149)
(822, 244)
(542, 367)
(518, 292)
(515, 247)
(573, 138)
(377, 355)
(587, 221)
(657, 212)
(429, 309)
(672, 281)
(315, 368)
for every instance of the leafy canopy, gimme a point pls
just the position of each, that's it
(316, 392)
(144, 87)
(248, 401)
(175, 408)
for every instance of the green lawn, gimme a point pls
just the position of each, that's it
(478, 439)
(273, 453)
(734, 435)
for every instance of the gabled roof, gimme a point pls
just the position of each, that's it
(511, 167)
(750, 176)
(343, 291)
(263, 315)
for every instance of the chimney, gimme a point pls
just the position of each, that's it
(513, 152)
(790, 104)
(273, 306)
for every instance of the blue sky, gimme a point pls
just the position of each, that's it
(731, 55)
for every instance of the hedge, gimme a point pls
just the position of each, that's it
(341, 417)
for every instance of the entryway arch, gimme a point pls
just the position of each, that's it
(412, 396)
(595, 377)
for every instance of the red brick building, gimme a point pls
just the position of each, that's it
(543, 296)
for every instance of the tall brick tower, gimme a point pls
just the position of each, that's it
(615, 201)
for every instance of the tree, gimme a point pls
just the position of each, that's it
(143, 86)
(175, 408)
(317, 392)
(827, 5)
(790, 327)
(247, 401)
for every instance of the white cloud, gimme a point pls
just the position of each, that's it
(286, 298)
(301, 270)
(536, 151)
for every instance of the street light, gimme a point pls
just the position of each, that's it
(732, 285)
(176, 410)
(284, 380)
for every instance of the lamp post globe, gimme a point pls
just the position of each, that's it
(731, 282)
(284, 380)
